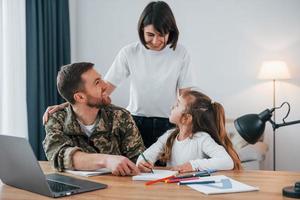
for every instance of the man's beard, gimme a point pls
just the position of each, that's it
(94, 102)
(94, 105)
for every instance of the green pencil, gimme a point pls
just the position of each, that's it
(146, 161)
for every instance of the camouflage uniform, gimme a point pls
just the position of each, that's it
(115, 134)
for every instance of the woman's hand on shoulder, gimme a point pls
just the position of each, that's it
(52, 109)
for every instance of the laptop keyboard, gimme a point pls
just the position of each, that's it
(60, 187)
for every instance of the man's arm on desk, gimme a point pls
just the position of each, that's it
(119, 165)
(63, 153)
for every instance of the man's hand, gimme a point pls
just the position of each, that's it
(121, 166)
(186, 167)
(145, 166)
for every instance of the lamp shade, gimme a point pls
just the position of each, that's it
(252, 126)
(274, 70)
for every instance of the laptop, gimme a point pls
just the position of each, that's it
(20, 168)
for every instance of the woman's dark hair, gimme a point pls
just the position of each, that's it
(160, 15)
(209, 117)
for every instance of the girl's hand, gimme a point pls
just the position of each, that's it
(186, 167)
(52, 109)
(145, 166)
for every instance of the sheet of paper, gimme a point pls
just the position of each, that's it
(90, 173)
(153, 176)
(223, 185)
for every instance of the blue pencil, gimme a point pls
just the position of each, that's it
(197, 182)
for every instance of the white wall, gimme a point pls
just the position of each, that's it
(227, 40)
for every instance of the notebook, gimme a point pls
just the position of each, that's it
(89, 173)
(158, 174)
(223, 185)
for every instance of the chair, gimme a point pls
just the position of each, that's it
(252, 156)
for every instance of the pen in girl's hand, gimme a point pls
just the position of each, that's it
(146, 161)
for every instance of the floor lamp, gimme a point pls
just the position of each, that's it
(274, 70)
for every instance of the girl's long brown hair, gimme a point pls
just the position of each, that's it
(209, 117)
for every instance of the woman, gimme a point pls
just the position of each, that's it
(158, 67)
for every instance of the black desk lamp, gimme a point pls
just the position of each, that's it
(252, 126)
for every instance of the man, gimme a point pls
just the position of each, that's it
(90, 134)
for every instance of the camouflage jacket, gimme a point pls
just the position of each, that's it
(115, 134)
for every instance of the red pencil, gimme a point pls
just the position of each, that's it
(159, 180)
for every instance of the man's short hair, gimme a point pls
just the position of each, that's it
(69, 79)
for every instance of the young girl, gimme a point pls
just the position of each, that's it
(199, 141)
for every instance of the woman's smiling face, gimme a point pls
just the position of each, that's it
(155, 40)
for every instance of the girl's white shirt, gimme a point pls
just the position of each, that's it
(201, 151)
(155, 77)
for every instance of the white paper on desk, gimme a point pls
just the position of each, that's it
(90, 173)
(158, 173)
(219, 187)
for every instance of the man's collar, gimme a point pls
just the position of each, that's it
(103, 122)
(72, 127)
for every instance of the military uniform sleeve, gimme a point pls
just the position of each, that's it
(131, 140)
(59, 148)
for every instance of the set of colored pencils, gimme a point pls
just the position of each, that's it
(181, 177)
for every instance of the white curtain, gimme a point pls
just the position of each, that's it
(13, 111)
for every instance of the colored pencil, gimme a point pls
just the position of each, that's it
(146, 161)
(195, 174)
(176, 180)
(197, 182)
(159, 180)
